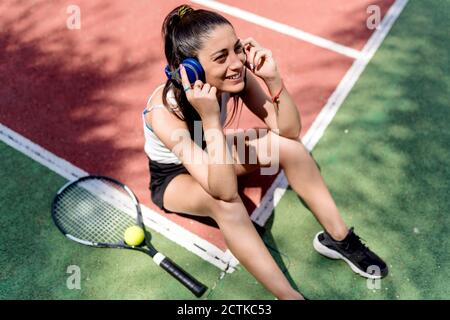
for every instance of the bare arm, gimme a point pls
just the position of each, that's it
(174, 134)
(222, 179)
(283, 119)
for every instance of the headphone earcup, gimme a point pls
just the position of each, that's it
(194, 70)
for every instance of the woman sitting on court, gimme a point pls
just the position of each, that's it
(197, 174)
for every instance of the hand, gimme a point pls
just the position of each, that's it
(203, 97)
(260, 60)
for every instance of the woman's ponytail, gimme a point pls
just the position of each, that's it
(184, 31)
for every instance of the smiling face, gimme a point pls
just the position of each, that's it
(222, 57)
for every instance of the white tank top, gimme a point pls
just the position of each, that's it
(154, 147)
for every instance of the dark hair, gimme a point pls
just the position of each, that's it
(184, 30)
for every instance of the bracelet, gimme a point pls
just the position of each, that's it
(276, 98)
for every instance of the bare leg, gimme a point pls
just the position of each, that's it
(303, 176)
(305, 179)
(240, 235)
(247, 246)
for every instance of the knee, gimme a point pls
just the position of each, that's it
(292, 150)
(229, 211)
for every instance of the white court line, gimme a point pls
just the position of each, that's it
(209, 252)
(281, 28)
(271, 198)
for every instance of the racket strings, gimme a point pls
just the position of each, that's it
(94, 212)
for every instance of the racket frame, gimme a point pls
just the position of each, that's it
(164, 262)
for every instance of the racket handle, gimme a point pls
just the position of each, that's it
(196, 287)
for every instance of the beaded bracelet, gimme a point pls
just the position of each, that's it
(276, 98)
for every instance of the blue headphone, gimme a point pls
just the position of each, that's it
(193, 68)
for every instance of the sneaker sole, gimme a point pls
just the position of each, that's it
(333, 254)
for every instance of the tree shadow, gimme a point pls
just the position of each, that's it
(58, 94)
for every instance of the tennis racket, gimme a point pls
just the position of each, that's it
(96, 211)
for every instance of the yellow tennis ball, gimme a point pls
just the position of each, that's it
(134, 236)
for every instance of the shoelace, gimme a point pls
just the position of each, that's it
(355, 243)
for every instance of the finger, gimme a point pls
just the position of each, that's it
(252, 57)
(198, 86)
(248, 48)
(256, 55)
(247, 60)
(260, 57)
(206, 87)
(184, 78)
(251, 42)
(213, 91)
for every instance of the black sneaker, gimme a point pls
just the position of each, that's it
(359, 257)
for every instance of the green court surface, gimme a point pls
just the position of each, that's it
(385, 158)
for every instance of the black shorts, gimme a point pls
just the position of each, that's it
(160, 176)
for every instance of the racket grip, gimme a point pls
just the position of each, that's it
(196, 287)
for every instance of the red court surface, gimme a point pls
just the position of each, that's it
(344, 22)
(80, 93)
